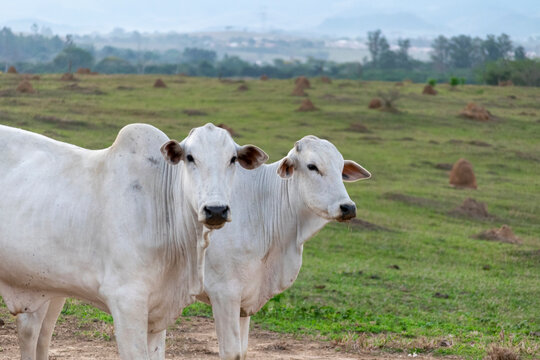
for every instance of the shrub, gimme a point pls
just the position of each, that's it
(520, 72)
(114, 65)
(74, 57)
(432, 82)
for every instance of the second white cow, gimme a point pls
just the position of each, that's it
(260, 254)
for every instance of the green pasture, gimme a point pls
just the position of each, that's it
(415, 282)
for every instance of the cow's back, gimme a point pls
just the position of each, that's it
(62, 206)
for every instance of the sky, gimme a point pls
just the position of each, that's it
(293, 15)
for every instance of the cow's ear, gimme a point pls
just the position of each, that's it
(286, 168)
(354, 172)
(172, 152)
(251, 157)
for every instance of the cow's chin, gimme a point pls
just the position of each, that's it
(214, 226)
(338, 218)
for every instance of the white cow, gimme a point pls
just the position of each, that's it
(259, 255)
(124, 228)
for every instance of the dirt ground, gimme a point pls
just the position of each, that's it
(194, 338)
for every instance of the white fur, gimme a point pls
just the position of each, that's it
(119, 228)
(259, 255)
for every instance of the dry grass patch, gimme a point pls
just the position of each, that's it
(476, 112)
(472, 209)
(25, 87)
(194, 112)
(358, 127)
(68, 77)
(375, 103)
(503, 234)
(307, 105)
(302, 82)
(500, 353)
(160, 84)
(462, 175)
(429, 90)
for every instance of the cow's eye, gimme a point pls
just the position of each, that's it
(233, 159)
(312, 167)
(190, 158)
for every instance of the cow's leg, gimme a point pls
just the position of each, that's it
(226, 311)
(244, 334)
(156, 345)
(47, 328)
(130, 314)
(28, 328)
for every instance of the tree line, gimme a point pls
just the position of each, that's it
(490, 60)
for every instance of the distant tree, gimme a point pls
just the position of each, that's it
(206, 68)
(348, 70)
(440, 53)
(525, 72)
(495, 71)
(126, 54)
(69, 44)
(381, 55)
(231, 66)
(195, 55)
(7, 42)
(519, 53)
(387, 58)
(46, 31)
(495, 48)
(69, 40)
(115, 65)
(465, 52)
(402, 55)
(235, 66)
(374, 46)
(146, 58)
(522, 72)
(505, 46)
(118, 32)
(73, 57)
(316, 66)
(34, 28)
(490, 48)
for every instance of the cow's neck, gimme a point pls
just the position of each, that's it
(291, 225)
(293, 222)
(177, 235)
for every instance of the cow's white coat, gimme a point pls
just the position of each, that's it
(120, 228)
(259, 255)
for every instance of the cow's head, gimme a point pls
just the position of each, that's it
(210, 159)
(320, 170)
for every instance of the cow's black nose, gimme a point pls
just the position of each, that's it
(216, 215)
(348, 211)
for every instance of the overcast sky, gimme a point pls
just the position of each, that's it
(193, 15)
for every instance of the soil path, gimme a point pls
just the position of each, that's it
(194, 338)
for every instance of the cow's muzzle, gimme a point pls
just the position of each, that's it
(216, 216)
(348, 211)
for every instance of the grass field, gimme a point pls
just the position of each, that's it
(349, 289)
